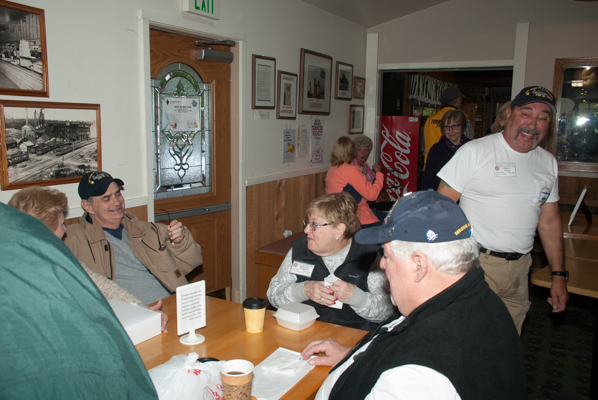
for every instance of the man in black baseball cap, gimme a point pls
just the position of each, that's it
(453, 337)
(149, 260)
(507, 185)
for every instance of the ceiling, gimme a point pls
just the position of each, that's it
(372, 12)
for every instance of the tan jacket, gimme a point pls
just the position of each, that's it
(88, 243)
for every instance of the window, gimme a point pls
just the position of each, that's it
(181, 132)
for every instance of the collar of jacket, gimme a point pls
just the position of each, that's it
(95, 233)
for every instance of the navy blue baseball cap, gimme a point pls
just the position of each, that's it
(425, 216)
(535, 94)
(96, 183)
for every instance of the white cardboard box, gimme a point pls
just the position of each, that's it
(140, 323)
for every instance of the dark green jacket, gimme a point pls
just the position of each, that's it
(59, 337)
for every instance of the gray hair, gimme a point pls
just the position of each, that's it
(451, 258)
(363, 141)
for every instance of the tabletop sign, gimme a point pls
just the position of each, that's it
(191, 311)
(206, 8)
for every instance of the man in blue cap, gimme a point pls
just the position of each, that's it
(453, 338)
(508, 188)
(149, 260)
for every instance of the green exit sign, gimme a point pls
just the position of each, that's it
(206, 8)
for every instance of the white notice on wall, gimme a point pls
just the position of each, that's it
(182, 114)
(317, 153)
(288, 146)
(191, 307)
(302, 140)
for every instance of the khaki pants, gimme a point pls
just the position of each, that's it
(508, 279)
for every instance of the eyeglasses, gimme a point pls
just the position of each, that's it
(162, 244)
(313, 226)
(451, 127)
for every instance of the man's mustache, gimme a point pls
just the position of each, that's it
(534, 132)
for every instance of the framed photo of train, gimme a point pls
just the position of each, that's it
(23, 54)
(45, 143)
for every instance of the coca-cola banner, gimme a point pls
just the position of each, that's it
(399, 146)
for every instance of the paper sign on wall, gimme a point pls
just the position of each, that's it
(317, 131)
(302, 141)
(288, 146)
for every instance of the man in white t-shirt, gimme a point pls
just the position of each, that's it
(508, 187)
(453, 338)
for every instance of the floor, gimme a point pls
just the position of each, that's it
(554, 374)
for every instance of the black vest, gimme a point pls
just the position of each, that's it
(464, 333)
(354, 269)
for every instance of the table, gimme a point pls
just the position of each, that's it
(583, 280)
(579, 229)
(227, 339)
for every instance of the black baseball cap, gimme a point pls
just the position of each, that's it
(96, 183)
(535, 94)
(425, 216)
(449, 94)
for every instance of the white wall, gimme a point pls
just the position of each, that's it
(96, 55)
(478, 30)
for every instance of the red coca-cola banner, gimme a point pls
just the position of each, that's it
(399, 146)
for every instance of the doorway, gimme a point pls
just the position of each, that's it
(205, 208)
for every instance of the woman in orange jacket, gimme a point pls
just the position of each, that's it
(343, 176)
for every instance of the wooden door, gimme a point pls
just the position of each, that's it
(212, 230)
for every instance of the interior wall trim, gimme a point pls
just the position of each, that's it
(447, 65)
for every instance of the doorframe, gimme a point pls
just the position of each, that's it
(149, 19)
(374, 70)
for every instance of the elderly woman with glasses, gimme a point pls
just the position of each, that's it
(328, 270)
(453, 125)
(49, 205)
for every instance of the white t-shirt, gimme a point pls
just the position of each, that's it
(502, 190)
(408, 382)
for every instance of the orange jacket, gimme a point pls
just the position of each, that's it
(348, 178)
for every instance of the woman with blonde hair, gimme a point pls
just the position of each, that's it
(49, 205)
(330, 271)
(343, 176)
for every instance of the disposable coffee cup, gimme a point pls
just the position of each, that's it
(255, 312)
(236, 379)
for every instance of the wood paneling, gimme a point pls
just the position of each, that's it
(273, 207)
(570, 188)
(215, 249)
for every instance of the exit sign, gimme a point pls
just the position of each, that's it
(206, 8)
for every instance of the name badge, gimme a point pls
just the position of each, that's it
(303, 269)
(505, 169)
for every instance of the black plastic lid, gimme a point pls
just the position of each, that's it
(255, 303)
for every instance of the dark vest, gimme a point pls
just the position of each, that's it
(464, 333)
(354, 269)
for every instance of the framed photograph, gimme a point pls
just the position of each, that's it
(356, 119)
(358, 87)
(23, 55)
(263, 85)
(286, 103)
(315, 83)
(48, 143)
(344, 80)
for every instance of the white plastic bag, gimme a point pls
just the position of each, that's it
(183, 378)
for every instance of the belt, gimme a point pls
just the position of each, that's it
(506, 256)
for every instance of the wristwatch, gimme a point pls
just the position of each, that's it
(560, 273)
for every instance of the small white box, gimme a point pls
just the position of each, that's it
(296, 316)
(139, 323)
